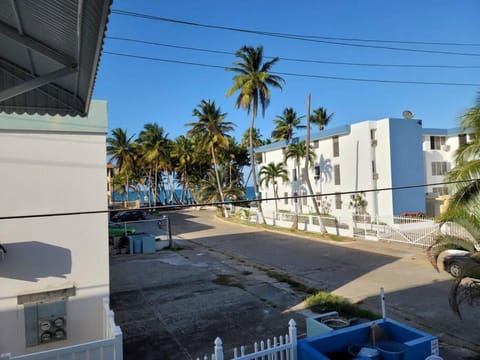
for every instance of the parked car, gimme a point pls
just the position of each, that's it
(115, 230)
(455, 262)
(129, 215)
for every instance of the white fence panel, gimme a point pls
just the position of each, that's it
(282, 348)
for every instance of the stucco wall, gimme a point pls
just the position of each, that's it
(50, 168)
(407, 165)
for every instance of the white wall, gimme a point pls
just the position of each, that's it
(48, 172)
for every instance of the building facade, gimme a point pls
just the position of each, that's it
(373, 167)
(54, 227)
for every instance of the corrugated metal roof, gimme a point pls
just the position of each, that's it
(72, 29)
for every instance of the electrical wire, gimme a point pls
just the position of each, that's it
(233, 202)
(294, 36)
(297, 74)
(223, 52)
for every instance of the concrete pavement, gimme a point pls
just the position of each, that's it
(415, 292)
(172, 305)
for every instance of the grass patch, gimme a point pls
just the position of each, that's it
(323, 302)
(227, 280)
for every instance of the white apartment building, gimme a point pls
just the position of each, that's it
(367, 158)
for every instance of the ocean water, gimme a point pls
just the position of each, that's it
(132, 195)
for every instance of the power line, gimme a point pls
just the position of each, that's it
(352, 192)
(223, 52)
(298, 74)
(292, 36)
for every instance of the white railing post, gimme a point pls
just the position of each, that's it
(218, 349)
(292, 333)
(118, 343)
(106, 325)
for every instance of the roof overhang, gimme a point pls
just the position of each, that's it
(49, 55)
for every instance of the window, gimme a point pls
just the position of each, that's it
(336, 172)
(441, 190)
(462, 139)
(304, 198)
(436, 142)
(372, 134)
(439, 168)
(285, 200)
(317, 171)
(315, 144)
(374, 167)
(294, 174)
(338, 201)
(336, 148)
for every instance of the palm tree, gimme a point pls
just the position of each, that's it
(182, 151)
(257, 138)
(321, 119)
(212, 128)
(153, 141)
(207, 189)
(286, 124)
(297, 152)
(253, 82)
(121, 148)
(269, 175)
(464, 209)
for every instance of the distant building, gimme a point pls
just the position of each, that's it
(363, 157)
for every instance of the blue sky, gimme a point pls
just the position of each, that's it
(140, 91)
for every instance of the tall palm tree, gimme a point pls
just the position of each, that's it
(297, 152)
(212, 127)
(253, 82)
(269, 175)
(153, 141)
(321, 119)
(464, 209)
(121, 148)
(182, 151)
(286, 124)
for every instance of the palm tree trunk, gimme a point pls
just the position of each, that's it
(254, 175)
(307, 167)
(222, 198)
(275, 192)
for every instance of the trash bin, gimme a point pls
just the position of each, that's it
(148, 244)
(137, 245)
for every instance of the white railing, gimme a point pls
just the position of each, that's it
(109, 348)
(283, 347)
(411, 230)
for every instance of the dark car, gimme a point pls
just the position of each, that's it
(129, 215)
(455, 263)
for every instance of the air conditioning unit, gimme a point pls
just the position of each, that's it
(316, 177)
(375, 176)
(374, 142)
(445, 147)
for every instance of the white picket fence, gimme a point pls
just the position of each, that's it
(109, 348)
(281, 348)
